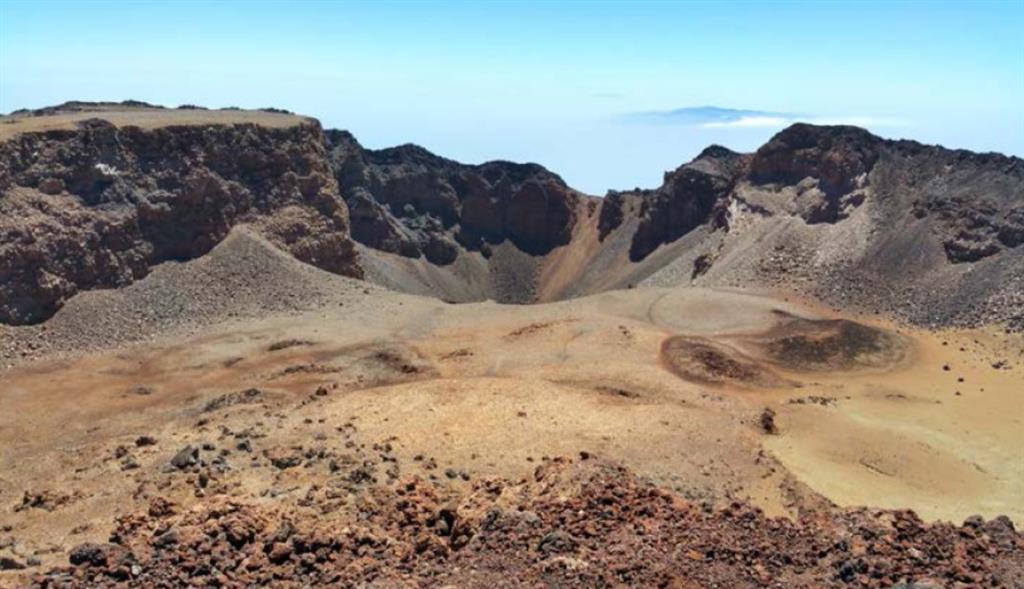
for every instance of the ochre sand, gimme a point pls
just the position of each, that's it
(492, 389)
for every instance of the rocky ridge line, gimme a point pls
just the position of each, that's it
(930, 235)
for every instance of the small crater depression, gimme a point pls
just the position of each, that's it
(706, 362)
(808, 345)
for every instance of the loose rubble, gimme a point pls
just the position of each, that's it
(575, 523)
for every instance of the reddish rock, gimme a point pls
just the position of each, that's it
(574, 524)
(138, 197)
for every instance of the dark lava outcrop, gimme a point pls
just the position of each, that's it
(98, 205)
(692, 195)
(973, 203)
(837, 159)
(408, 201)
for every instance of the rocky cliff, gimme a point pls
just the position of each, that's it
(96, 205)
(433, 226)
(408, 201)
(694, 194)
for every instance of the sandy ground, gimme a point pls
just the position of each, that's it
(488, 389)
(943, 442)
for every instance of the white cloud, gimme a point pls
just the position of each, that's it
(748, 122)
(716, 117)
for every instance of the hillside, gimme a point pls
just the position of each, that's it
(922, 233)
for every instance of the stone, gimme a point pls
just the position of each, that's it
(185, 458)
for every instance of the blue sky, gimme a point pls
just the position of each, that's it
(592, 90)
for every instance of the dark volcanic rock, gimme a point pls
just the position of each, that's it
(973, 203)
(374, 226)
(8, 563)
(977, 209)
(408, 201)
(692, 195)
(977, 200)
(99, 555)
(186, 457)
(611, 215)
(835, 156)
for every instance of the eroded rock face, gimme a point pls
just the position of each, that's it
(695, 194)
(692, 195)
(408, 201)
(611, 215)
(973, 202)
(835, 156)
(97, 206)
(828, 167)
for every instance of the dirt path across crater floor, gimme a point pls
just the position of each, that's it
(866, 414)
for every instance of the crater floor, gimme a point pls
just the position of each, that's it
(714, 394)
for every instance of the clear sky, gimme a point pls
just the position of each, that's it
(584, 88)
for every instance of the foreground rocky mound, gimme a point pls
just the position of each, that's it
(583, 523)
